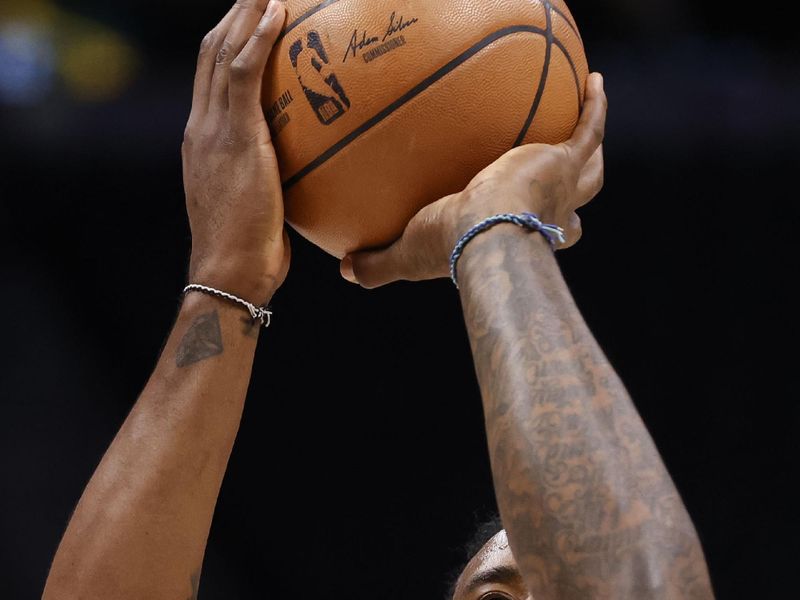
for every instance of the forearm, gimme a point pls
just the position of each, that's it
(589, 508)
(140, 528)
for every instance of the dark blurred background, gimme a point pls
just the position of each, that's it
(684, 274)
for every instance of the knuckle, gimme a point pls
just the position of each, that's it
(565, 155)
(601, 180)
(598, 133)
(597, 187)
(518, 154)
(593, 189)
(261, 31)
(475, 194)
(225, 53)
(188, 137)
(240, 69)
(208, 42)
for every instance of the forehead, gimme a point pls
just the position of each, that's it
(494, 554)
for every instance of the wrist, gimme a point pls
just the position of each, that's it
(236, 277)
(486, 254)
(487, 200)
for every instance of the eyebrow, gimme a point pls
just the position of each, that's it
(501, 574)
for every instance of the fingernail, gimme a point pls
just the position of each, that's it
(346, 269)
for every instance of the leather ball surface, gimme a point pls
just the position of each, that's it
(379, 107)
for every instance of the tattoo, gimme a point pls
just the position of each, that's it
(194, 579)
(251, 328)
(202, 340)
(589, 508)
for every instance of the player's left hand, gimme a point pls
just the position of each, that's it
(552, 181)
(230, 172)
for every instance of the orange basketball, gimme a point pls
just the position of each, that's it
(378, 107)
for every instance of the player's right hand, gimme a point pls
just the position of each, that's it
(552, 181)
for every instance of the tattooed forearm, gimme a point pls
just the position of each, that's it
(589, 508)
(202, 340)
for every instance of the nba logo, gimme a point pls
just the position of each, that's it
(322, 88)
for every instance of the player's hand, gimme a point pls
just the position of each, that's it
(230, 172)
(552, 181)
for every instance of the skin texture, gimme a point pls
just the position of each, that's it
(492, 571)
(589, 509)
(230, 172)
(512, 184)
(141, 525)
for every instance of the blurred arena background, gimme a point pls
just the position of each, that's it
(361, 463)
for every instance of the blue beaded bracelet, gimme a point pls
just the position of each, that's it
(529, 221)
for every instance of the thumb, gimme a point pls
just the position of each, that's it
(371, 269)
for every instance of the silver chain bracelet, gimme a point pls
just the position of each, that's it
(258, 313)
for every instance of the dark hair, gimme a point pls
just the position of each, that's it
(483, 532)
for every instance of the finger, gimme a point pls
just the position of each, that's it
(247, 70)
(421, 253)
(247, 15)
(287, 256)
(376, 268)
(589, 132)
(205, 64)
(574, 232)
(590, 181)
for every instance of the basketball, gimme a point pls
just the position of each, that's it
(378, 108)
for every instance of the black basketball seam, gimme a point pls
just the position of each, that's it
(542, 79)
(315, 9)
(408, 96)
(545, 4)
(309, 13)
(565, 52)
(569, 22)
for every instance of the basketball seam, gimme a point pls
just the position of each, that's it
(309, 13)
(560, 45)
(545, 69)
(568, 21)
(315, 9)
(408, 96)
(537, 99)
